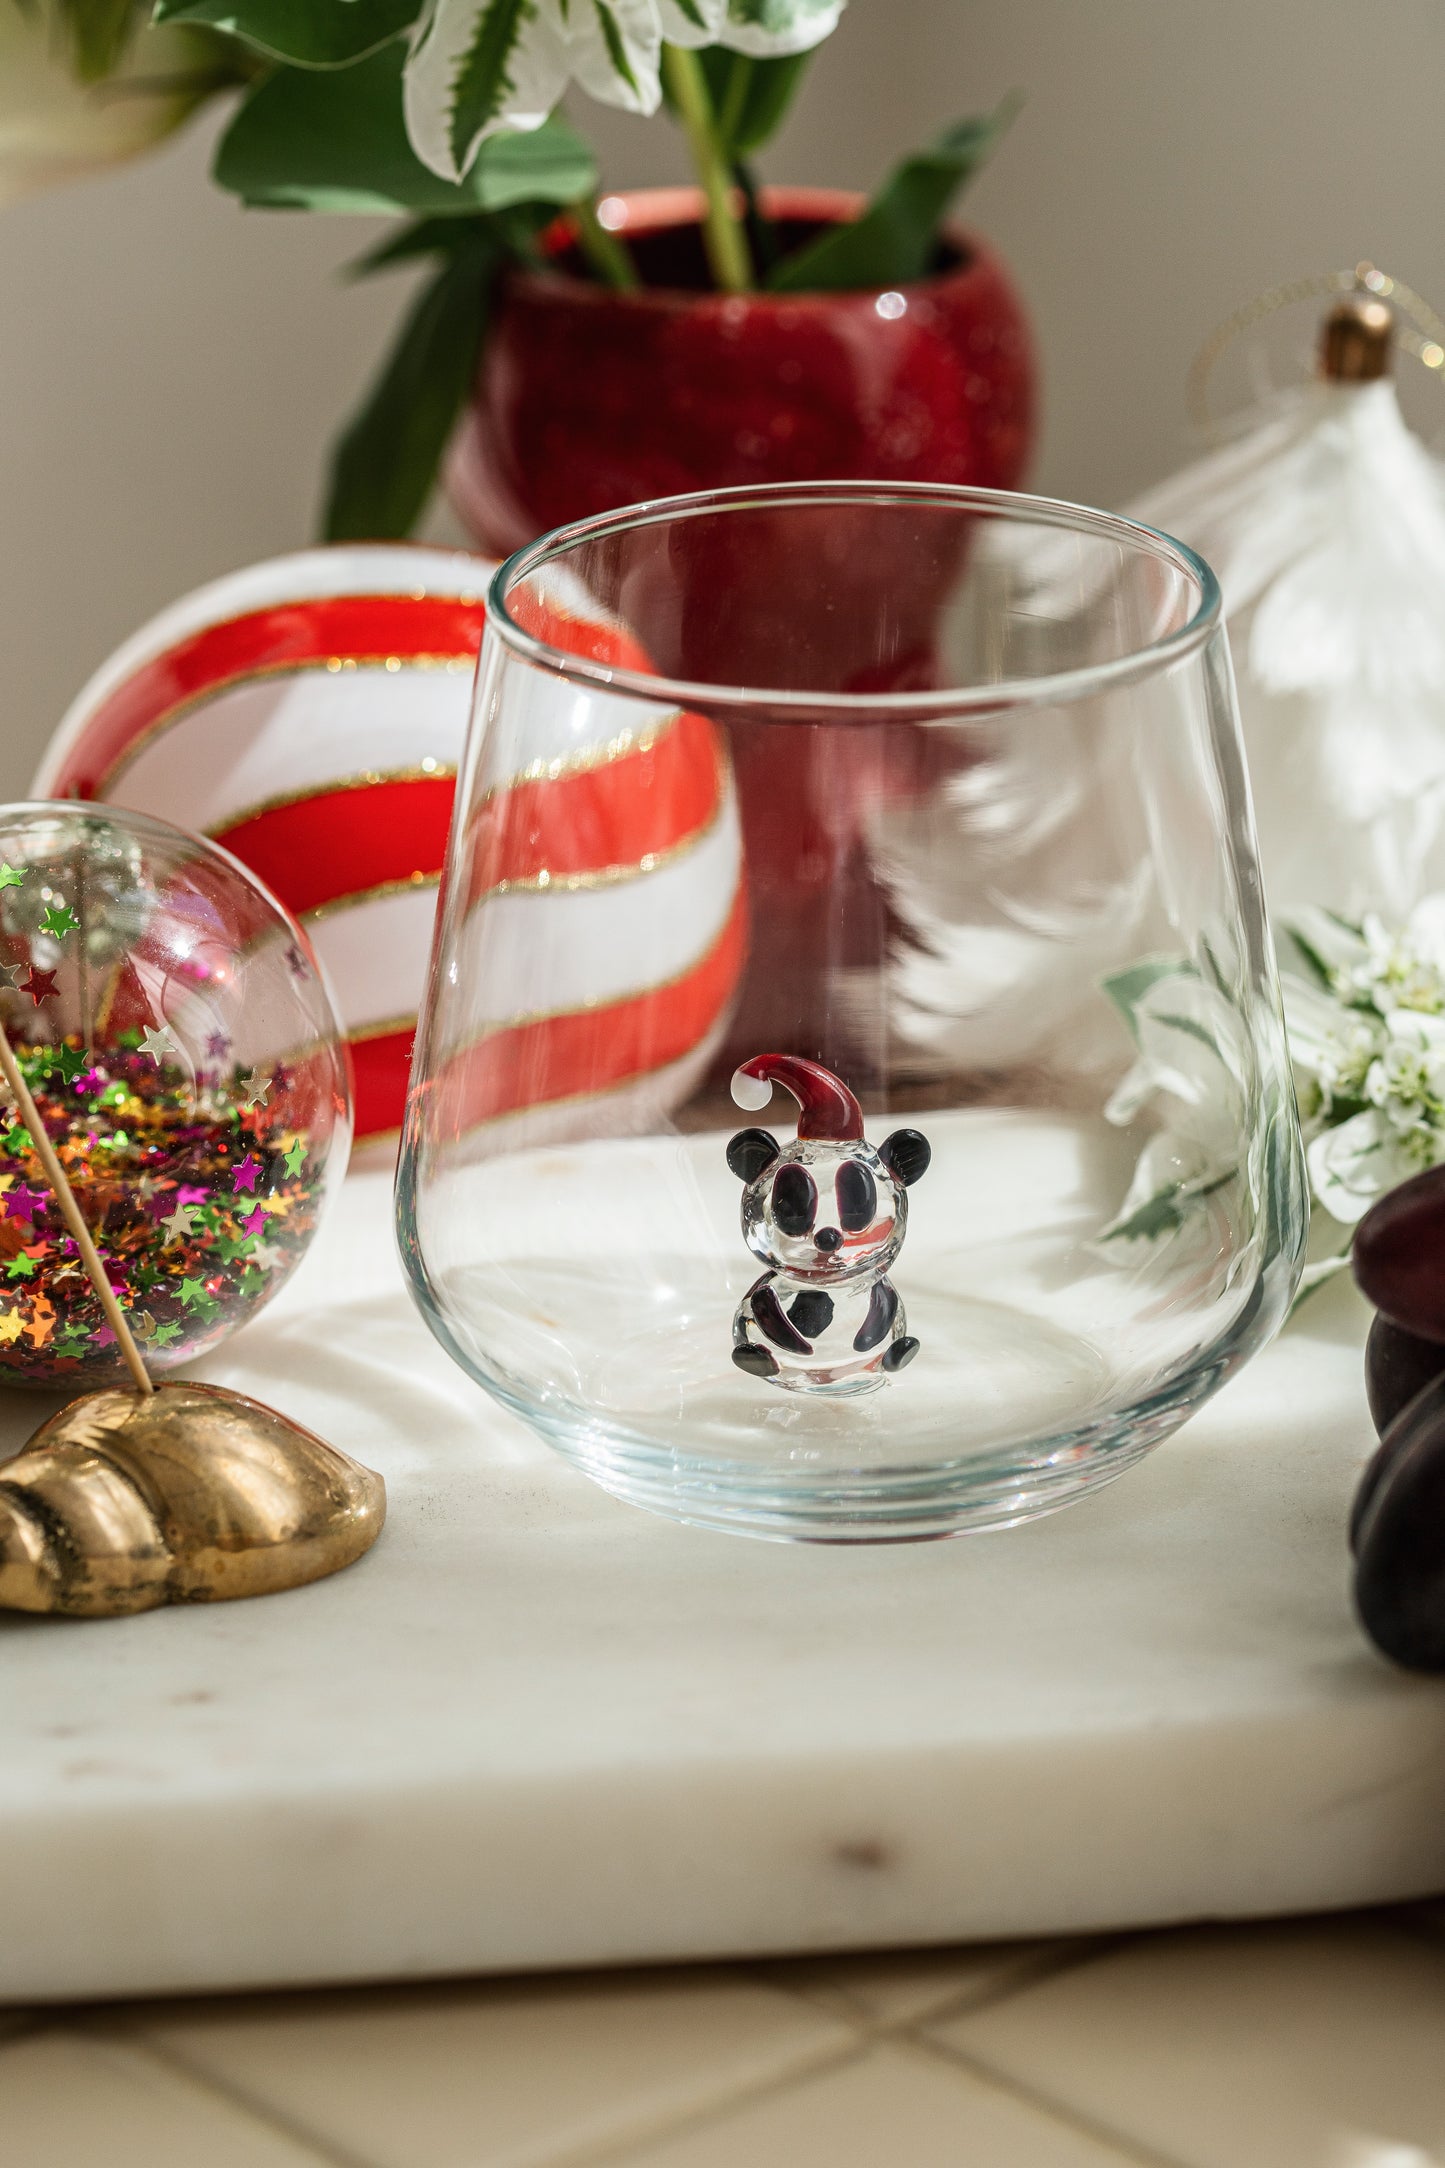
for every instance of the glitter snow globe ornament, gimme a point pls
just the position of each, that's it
(182, 1050)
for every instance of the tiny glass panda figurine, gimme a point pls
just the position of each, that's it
(827, 1216)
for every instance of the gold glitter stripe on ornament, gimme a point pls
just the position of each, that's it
(425, 771)
(599, 755)
(167, 720)
(401, 887)
(571, 884)
(358, 1034)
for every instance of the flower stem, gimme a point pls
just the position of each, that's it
(610, 258)
(723, 236)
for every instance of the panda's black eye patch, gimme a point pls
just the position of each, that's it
(857, 1197)
(795, 1199)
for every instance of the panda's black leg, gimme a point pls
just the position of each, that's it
(756, 1361)
(902, 1352)
(882, 1309)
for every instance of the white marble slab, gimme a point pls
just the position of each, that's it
(538, 1728)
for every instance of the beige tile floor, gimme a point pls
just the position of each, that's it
(1301, 2044)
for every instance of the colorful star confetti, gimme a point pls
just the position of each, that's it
(40, 985)
(218, 1046)
(203, 1211)
(59, 920)
(254, 1090)
(158, 1042)
(10, 876)
(180, 1223)
(10, 975)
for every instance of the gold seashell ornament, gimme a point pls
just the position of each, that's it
(185, 1494)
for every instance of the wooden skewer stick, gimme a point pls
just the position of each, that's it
(59, 1181)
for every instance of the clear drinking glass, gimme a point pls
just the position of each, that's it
(939, 789)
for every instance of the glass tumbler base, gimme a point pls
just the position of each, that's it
(894, 1505)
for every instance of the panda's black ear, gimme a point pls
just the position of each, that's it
(906, 1155)
(750, 1151)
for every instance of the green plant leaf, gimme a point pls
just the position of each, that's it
(385, 461)
(751, 96)
(513, 231)
(424, 237)
(335, 140)
(304, 33)
(892, 241)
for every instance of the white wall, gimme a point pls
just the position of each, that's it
(170, 367)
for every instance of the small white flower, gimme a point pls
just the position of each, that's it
(480, 65)
(1368, 1049)
(1351, 1166)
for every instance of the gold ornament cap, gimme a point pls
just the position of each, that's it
(1357, 340)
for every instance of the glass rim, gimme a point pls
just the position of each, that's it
(1047, 690)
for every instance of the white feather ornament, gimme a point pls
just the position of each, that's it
(1325, 521)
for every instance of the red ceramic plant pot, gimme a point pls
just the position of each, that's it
(589, 398)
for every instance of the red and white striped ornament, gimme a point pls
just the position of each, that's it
(599, 925)
(308, 714)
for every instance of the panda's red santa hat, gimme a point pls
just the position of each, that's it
(827, 1107)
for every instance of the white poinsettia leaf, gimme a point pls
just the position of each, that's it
(691, 22)
(614, 48)
(1172, 1180)
(1191, 1071)
(764, 27)
(1314, 1021)
(1351, 1166)
(1191, 1052)
(1325, 940)
(476, 66)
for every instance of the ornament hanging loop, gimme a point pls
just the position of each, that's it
(1357, 336)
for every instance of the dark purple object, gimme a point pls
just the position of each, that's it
(1399, 1255)
(1398, 1364)
(1399, 1536)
